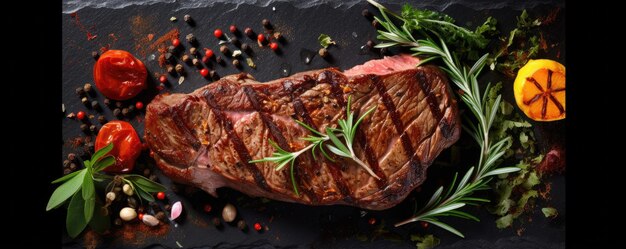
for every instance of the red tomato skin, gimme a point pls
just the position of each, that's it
(119, 75)
(126, 145)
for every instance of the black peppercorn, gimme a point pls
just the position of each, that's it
(93, 128)
(170, 69)
(102, 119)
(160, 215)
(216, 222)
(167, 207)
(186, 58)
(119, 104)
(187, 18)
(125, 112)
(117, 112)
(242, 225)
(235, 41)
(95, 105)
(323, 52)
(224, 49)
(190, 38)
(193, 50)
(179, 68)
(95, 55)
(85, 101)
(367, 14)
(195, 62)
(375, 24)
(370, 43)
(219, 59)
(66, 171)
(248, 32)
(212, 74)
(87, 87)
(66, 163)
(245, 47)
(236, 63)
(132, 202)
(90, 147)
(80, 92)
(84, 127)
(131, 108)
(266, 24)
(107, 102)
(73, 166)
(171, 49)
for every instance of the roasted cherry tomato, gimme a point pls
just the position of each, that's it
(126, 145)
(119, 75)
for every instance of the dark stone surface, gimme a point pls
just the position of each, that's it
(290, 225)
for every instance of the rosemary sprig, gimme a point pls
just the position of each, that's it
(476, 178)
(347, 130)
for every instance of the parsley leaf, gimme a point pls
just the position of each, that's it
(325, 40)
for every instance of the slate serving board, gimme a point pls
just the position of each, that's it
(290, 225)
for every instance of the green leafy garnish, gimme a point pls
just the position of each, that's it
(325, 40)
(549, 212)
(428, 23)
(347, 130)
(476, 178)
(425, 242)
(79, 187)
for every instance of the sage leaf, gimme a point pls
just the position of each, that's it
(101, 152)
(66, 190)
(66, 177)
(99, 222)
(145, 184)
(104, 163)
(75, 220)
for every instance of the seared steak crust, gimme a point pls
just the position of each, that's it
(207, 138)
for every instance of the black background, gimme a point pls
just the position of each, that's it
(591, 168)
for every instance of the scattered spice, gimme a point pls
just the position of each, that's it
(218, 33)
(249, 32)
(95, 105)
(233, 29)
(179, 68)
(187, 18)
(266, 24)
(241, 224)
(323, 52)
(236, 63)
(80, 115)
(85, 101)
(257, 226)
(367, 14)
(95, 55)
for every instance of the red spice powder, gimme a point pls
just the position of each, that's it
(553, 162)
(136, 233)
(82, 27)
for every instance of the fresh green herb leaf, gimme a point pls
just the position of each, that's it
(75, 220)
(66, 190)
(66, 177)
(101, 152)
(504, 221)
(549, 212)
(145, 183)
(99, 222)
(325, 40)
(486, 112)
(104, 163)
(425, 242)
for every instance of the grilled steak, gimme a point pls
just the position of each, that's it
(207, 138)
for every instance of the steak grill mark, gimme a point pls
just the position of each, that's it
(414, 162)
(301, 111)
(337, 93)
(433, 104)
(241, 149)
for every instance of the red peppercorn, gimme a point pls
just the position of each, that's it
(233, 29)
(205, 59)
(207, 208)
(257, 226)
(274, 46)
(260, 38)
(161, 196)
(81, 115)
(204, 72)
(175, 42)
(139, 105)
(372, 221)
(218, 33)
(163, 79)
(208, 53)
(140, 216)
(424, 224)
